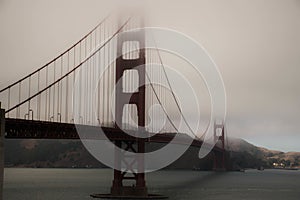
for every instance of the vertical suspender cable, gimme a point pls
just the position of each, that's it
(20, 84)
(58, 98)
(29, 88)
(54, 92)
(109, 75)
(79, 80)
(67, 88)
(61, 87)
(99, 84)
(46, 100)
(103, 76)
(90, 78)
(8, 101)
(39, 99)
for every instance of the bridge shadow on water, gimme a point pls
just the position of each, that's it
(183, 184)
(199, 181)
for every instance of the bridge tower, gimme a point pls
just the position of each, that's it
(219, 156)
(138, 99)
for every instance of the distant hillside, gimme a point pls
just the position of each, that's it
(68, 153)
(48, 153)
(259, 155)
(58, 153)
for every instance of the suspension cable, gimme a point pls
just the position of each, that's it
(73, 70)
(44, 66)
(172, 91)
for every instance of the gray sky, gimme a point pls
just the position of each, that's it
(256, 45)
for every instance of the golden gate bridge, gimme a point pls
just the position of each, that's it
(40, 105)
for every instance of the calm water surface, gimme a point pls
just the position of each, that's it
(78, 184)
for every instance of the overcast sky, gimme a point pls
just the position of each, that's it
(255, 43)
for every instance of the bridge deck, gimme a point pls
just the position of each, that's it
(32, 129)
